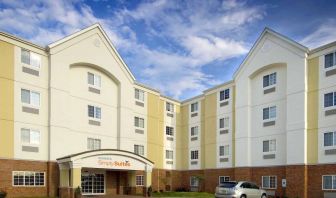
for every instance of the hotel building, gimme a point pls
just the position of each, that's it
(72, 115)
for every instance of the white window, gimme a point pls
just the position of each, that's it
(169, 107)
(194, 107)
(28, 178)
(169, 131)
(194, 131)
(92, 183)
(169, 154)
(224, 123)
(194, 155)
(330, 60)
(269, 145)
(139, 180)
(330, 139)
(139, 122)
(194, 181)
(329, 182)
(30, 136)
(139, 94)
(223, 179)
(30, 58)
(269, 113)
(94, 112)
(224, 95)
(269, 80)
(93, 144)
(330, 99)
(94, 80)
(224, 150)
(139, 149)
(269, 182)
(30, 97)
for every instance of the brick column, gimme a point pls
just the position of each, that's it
(297, 181)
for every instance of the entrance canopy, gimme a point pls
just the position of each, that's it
(106, 159)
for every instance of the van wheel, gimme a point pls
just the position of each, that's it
(243, 196)
(263, 196)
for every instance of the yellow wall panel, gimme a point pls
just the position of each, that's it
(210, 115)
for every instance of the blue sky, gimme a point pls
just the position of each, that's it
(179, 47)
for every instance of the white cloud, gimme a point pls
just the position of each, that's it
(324, 34)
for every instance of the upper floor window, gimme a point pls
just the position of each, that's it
(30, 97)
(139, 122)
(269, 145)
(139, 94)
(94, 112)
(224, 95)
(194, 155)
(30, 58)
(330, 60)
(93, 144)
(269, 113)
(224, 122)
(169, 107)
(330, 99)
(30, 136)
(269, 80)
(194, 131)
(269, 182)
(94, 80)
(224, 150)
(329, 182)
(330, 139)
(139, 149)
(169, 131)
(169, 154)
(194, 107)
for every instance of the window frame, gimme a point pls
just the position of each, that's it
(95, 77)
(24, 178)
(226, 150)
(140, 121)
(30, 131)
(30, 104)
(334, 61)
(269, 146)
(138, 148)
(332, 182)
(333, 100)
(269, 118)
(269, 81)
(225, 93)
(192, 107)
(138, 93)
(269, 184)
(195, 179)
(94, 144)
(142, 180)
(194, 154)
(32, 56)
(93, 183)
(170, 107)
(225, 177)
(168, 153)
(192, 130)
(227, 118)
(333, 139)
(170, 131)
(95, 112)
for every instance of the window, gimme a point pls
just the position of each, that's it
(139, 149)
(194, 131)
(330, 139)
(269, 182)
(139, 180)
(139, 94)
(224, 95)
(194, 155)
(94, 112)
(224, 122)
(269, 113)
(269, 145)
(194, 107)
(169, 154)
(94, 80)
(30, 136)
(139, 122)
(30, 97)
(93, 144)
(28, 178)
(223, 179)
(93, 183)
(330, 60)
(194, 182)
(329, 182)
(30, 58)
(224, 150)
(269, 80)
(169, 107)
(169, 131)
(330, 99)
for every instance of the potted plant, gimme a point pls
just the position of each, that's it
(78, 192)
(149, 191)
(3, 194)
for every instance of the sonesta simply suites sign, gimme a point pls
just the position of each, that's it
(113, 162)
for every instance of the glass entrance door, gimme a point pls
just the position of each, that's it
(93, 183)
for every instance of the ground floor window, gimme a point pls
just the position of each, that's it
(139, 180)
(329, 182)
(269, 182)
(28, 178)
(194, 181)
(223, 179)
(93, 183)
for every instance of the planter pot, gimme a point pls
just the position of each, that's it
(3, 194)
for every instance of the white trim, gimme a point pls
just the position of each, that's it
(29, 186)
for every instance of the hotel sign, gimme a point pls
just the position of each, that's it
(113, 162)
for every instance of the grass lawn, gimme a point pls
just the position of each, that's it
(184, 194)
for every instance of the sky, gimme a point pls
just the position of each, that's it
(180, 47)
